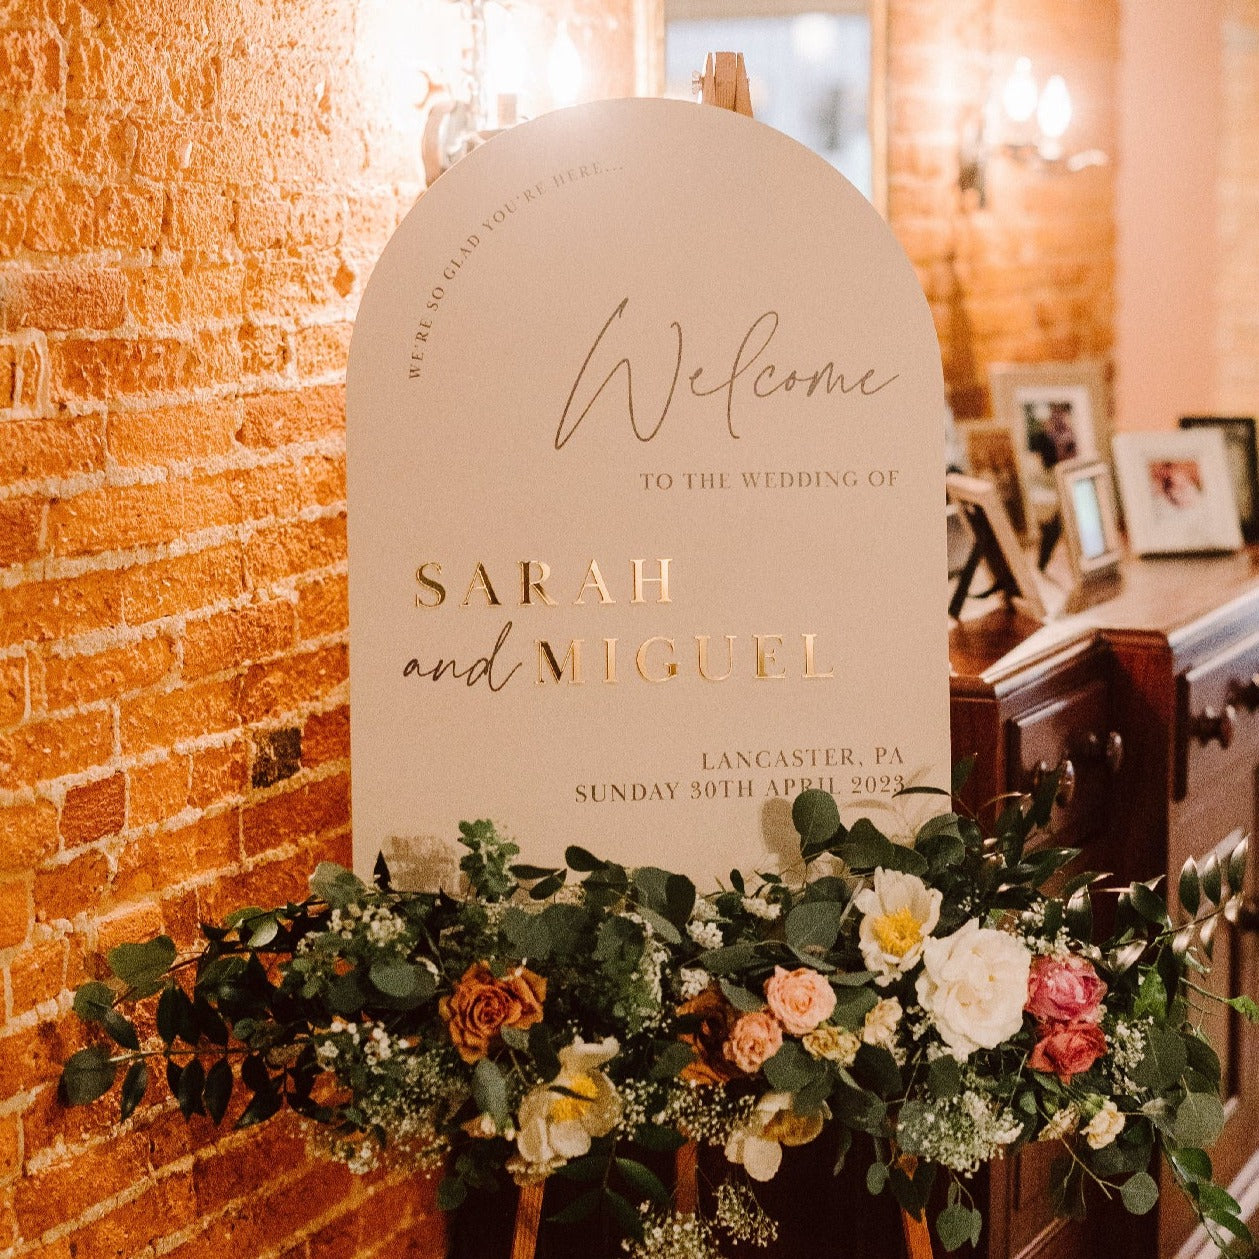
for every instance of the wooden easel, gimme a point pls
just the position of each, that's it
(724, 83)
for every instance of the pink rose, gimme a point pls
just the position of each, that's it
(799, 999)
(1066, 1049)
(753, 1040)
(1064, 990)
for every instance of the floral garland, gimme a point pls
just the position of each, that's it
(927, 999)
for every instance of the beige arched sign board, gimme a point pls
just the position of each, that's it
(646, 499)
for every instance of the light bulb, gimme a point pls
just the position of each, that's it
(1053, 114)
(565, 72)
(1019, 96)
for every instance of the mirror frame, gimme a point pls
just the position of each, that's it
(649, 38)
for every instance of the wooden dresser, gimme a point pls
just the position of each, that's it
(1147, 701)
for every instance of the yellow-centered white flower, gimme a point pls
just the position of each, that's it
(973, 985)
(559, 1119)
(898, 913)
(757, 1144)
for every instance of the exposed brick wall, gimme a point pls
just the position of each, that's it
(1237, 329)
(192, 193)
(1030, 277)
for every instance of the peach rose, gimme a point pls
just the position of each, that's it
(799, 999)
(1064, 990)
(717, 1018)
(753, 1040)
(1066, 1049)
(481, 1006)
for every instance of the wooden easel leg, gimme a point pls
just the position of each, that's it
(686, 1179)
(528, 1218)
(917, 1235)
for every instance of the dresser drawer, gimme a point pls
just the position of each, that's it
(1072, 733)
(1217, 719)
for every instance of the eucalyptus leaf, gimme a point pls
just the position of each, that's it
(1162, 1063)
(336, 885)
(1139, 1192)
(876, 1178)
(1237, 866)
(958, 1224)
(814, 925)
(489, 1091)
(1199, 1120)
(741, 998)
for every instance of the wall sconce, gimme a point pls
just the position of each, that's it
(1026, 124)
(501, 60)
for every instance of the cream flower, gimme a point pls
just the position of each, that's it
(558, 1120)
(757, 1144)
(835, 1044)
(1105, 1126)
(881, 1023)
(1062, 1123)
(973, 986)
(898, 912)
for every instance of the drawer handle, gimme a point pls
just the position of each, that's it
(1247, 694)
(1210, 725)
(1110, 749)
(1066, 780)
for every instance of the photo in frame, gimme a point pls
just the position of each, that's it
(1177, 491)
(996, 545)
(1055, 412)
(1239, 443)
(991, 456)
(1090, 521)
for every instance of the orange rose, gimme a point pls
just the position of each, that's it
(481, 1006)
(717, 1017)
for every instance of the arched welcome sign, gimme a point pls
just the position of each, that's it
(646, 497)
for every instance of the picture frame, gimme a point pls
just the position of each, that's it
(1055, 412)
(1090, 517)
(1243, 463)
(1177, 491)
(992, 456)
(996, 544)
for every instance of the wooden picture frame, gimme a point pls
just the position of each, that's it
(1177, 491)
(991, 456)
(1090, 518)
(1055, 412)
(1243, 463)
(996, 543)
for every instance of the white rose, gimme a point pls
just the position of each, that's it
(974, 986)
(898, 912)
(1105, 1126)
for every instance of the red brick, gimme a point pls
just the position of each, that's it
(266, 350)
(276, 419)
(30, 63)
(262, 222)
(219, 773)
(10, 1148)
(287, 685)
(322, 349)
(130, 217)
(299, 546)
(231, 1173)
(326, 737)
(51, 448)
(279, 820)
(73, 680)
(34, 1056)
(235, 638)
(43, 750)
(130, 1227)
(182, 584)
(15, 911)
(158, 791)
(87, 370)
(60, 219)
(12, 225)
(165, 860)
(76, 297)
(323, 480)
(72, 887)
(160, 719)
(162, 294)
(37, 973)
(12, 690)
(323, 606)
(94, 810)
(20, 523)
(173, 434)
(30, 834)
(200, 217)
